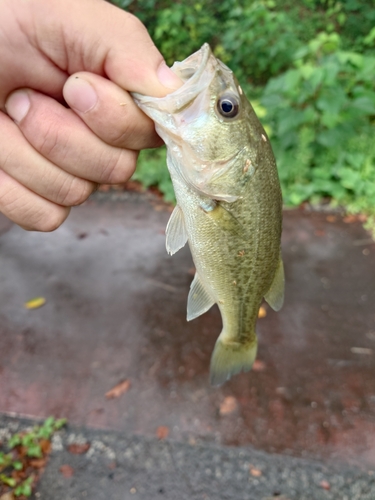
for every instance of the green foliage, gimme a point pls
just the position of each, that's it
(152, 172)
(29, 444)
(309, 64)
(258, 41)
(320, 113)
(25, 488)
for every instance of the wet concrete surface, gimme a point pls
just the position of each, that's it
(115, 310)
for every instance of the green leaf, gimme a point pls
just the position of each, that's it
(34, 450)
(24, 488)
(9, 481)
(14, 441)
(59, 424)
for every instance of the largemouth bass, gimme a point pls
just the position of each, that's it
(229, 206)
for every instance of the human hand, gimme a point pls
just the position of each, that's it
(89, 54)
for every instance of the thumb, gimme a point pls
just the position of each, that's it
(100, 38)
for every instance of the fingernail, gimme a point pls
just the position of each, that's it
(18, 105)
(167, 78)
(79, 94)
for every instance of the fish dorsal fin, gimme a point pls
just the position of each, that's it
(176, 235)
(199, 300)
(275, 295)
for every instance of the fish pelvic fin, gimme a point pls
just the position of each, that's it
(275, 295)
(230, 358)
(199, 300)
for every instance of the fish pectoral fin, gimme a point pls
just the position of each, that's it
(275, 295)
(199, 300)
(176, 235)
(224, 220)
(230, 358)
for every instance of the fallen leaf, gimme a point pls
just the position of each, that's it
(118, 390)
(349, 219)
(7, 496)
(158, 207)
(325, 485)
(361, 350)
(331, 218)
(255, 472)
(79, 448)
(262, 312)
(46, 446)
(259, 366)
(38, 463)
(67, 470)
(35, 303)
(162, 432)
(134, 186)
(228, 406)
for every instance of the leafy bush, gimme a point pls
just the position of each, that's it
(152, 171)
(257, 42)
(320, 113)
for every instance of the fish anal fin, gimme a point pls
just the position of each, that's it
(230, 358)
(275, 295)
(199, 300)
(176, 235)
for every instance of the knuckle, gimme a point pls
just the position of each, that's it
(74, 191)
(135, 25)
(30, 212)
(51, 142)
(119, 167)
(118, 138)
(47, 222)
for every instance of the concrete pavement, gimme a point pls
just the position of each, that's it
(115, 310)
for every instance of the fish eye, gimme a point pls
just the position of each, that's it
(228, 106)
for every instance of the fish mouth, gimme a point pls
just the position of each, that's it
(197, 71)
(191, 69)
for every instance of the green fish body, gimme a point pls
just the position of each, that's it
(229, 206)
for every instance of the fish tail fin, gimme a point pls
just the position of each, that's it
(230, 358)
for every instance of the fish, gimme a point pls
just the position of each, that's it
(229, 203)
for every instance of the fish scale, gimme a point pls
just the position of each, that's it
(229, 206)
